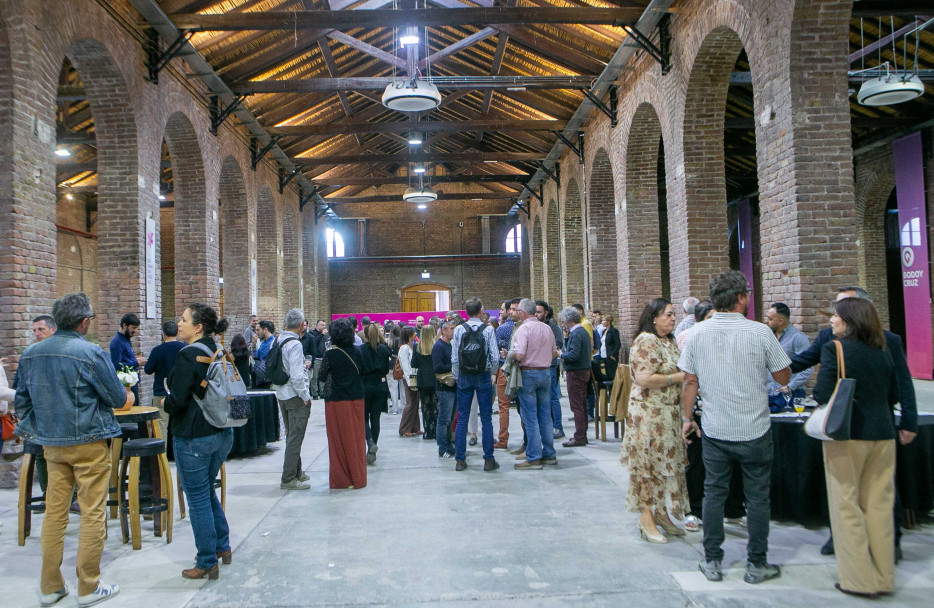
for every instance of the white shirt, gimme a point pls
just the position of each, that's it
(293, 360)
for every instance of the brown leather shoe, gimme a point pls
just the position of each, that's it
(501, 445)
(225, 556)
(574, 444)
(195, 573)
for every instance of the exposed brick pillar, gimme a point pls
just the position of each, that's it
(538, 260)
(237, 223)
(640, 278)
(601, 235)
(525, 270)
(552, 262)
(697, 203)
(196, 246)
(309, 265)
(323, 269)
(291, 258)
(874, 183)
(268, 257)
(572, 262)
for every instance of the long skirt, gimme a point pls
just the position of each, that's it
(409, 423)
(346, 443)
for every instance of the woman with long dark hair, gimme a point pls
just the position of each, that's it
(376, 357)
(425, 380)
(343, 408)
(652, 446)
(860, 472)
(200, 448)
(408, 425)
(241, 354)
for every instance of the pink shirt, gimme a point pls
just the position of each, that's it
(535, 341)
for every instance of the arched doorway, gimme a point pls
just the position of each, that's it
(426, 296)
(601, 235)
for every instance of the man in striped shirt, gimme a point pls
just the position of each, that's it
(730, 359)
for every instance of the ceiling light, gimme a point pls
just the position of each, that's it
(161, 197)
(409, 36)
(419, 168)
(70, 197)
(426, 274)
(890, 89)
(422, 206)
(420, 195)
(415, 139)
(515, 89)
(411, 96)
(62, 152)
(476, 199)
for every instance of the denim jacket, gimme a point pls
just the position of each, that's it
(66, 389)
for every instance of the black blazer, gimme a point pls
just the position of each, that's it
(340, 373)
(375, 367)
(893, 344)
(185, 416)
(613, 344)
(876, 387)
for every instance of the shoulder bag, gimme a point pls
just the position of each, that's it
(831, 422)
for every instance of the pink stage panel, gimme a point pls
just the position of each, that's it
(408, 317)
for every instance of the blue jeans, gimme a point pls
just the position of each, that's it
(755, 459)
(556, 399)
(535, 411)
(198, 460)
(467, 384)
(445, 414)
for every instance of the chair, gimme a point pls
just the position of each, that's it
(619, 399)
(131, 503)
(128, 431)
(220, 482)
(27, 502)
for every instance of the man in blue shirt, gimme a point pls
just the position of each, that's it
(266, 335)
(160, 363)
(793, 341)
(121, 348)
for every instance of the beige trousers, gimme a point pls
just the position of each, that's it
(88, 466)
(861, 492)
(163, 416)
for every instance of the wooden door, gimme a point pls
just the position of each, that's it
(422, 297)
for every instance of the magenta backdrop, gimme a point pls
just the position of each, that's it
(744, 238)
(408, 317)
(916, 282)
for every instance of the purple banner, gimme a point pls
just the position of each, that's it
(744, 238)
(916, 281)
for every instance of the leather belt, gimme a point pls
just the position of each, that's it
(525, 367)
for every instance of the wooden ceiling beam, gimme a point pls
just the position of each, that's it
(891, 8)
(437, 179)
(542, 44)
(471, 40)
(418, 157)
(419, 17)
(378, 83)
(425, 127)
(442, 196)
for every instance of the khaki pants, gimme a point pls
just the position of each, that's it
(163, 416)
(504, 403)
(88, 466)
(861, 491)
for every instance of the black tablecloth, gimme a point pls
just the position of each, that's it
(799, 492)
(263, 426)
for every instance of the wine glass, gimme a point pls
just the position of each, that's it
(799, 404)
(787, 396)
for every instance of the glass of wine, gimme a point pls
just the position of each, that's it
(787, 396)
(799, 404)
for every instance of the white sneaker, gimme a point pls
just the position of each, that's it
(295, 484)
(50, 599)
(103, 593)
(737, 521)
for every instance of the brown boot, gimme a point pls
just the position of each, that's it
(196, 572)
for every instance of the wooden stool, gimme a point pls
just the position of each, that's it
(128, 431)
(28, 503)
(131, 504)
(220, 482)
(605, 388)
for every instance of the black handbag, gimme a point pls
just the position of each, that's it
(831, 422)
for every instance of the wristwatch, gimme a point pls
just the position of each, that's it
(686, 420)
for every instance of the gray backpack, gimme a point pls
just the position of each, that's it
(225, 403)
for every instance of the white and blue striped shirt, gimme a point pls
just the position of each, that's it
(733, 358)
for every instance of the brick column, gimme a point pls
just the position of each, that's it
(238, 223)
(538, 260)
(874, 183)
(268, 257)
(291, 256)
(572, 262)
(552, 263)
(601, 234)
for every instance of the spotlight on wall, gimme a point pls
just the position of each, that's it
(426, 274)
(63, 152)
(70, 197)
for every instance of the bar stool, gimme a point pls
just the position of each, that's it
(131, 504)
(127, 431)
(28, 503)
(220, 482)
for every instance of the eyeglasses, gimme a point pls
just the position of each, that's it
(91, 316)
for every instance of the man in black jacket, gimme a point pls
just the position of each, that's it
(907, 428)
(317, 340)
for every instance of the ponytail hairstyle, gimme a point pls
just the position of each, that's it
(206, 317)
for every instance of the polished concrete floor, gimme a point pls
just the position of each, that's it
(422, 535)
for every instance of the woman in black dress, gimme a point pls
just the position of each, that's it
(376, 358)
(242, 359)
(425, 380)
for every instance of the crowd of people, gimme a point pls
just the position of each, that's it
(701, 396)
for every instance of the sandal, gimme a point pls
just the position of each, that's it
(691, 524)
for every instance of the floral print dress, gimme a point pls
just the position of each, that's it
(652, 445)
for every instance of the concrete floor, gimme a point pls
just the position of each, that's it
(422, 535)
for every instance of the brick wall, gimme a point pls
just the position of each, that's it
(237, 247)
(572, 262)
(601, 234)
(538, 260)
(553, 253)
(874, 181)
(268, 258)
(167, 247)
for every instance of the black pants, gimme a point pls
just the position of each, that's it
(374, 404)
(429, 400)
(695, 475)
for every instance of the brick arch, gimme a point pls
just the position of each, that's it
(268, 256)
(291, 259)
(875, 181)
(602, 235)
(553, 254)
(702, 214)
(196, 234)
(538, 259)
(640, 268)
(237, 248)
(572, 262)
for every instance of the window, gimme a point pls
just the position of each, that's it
(514, 240)
(335, 244)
